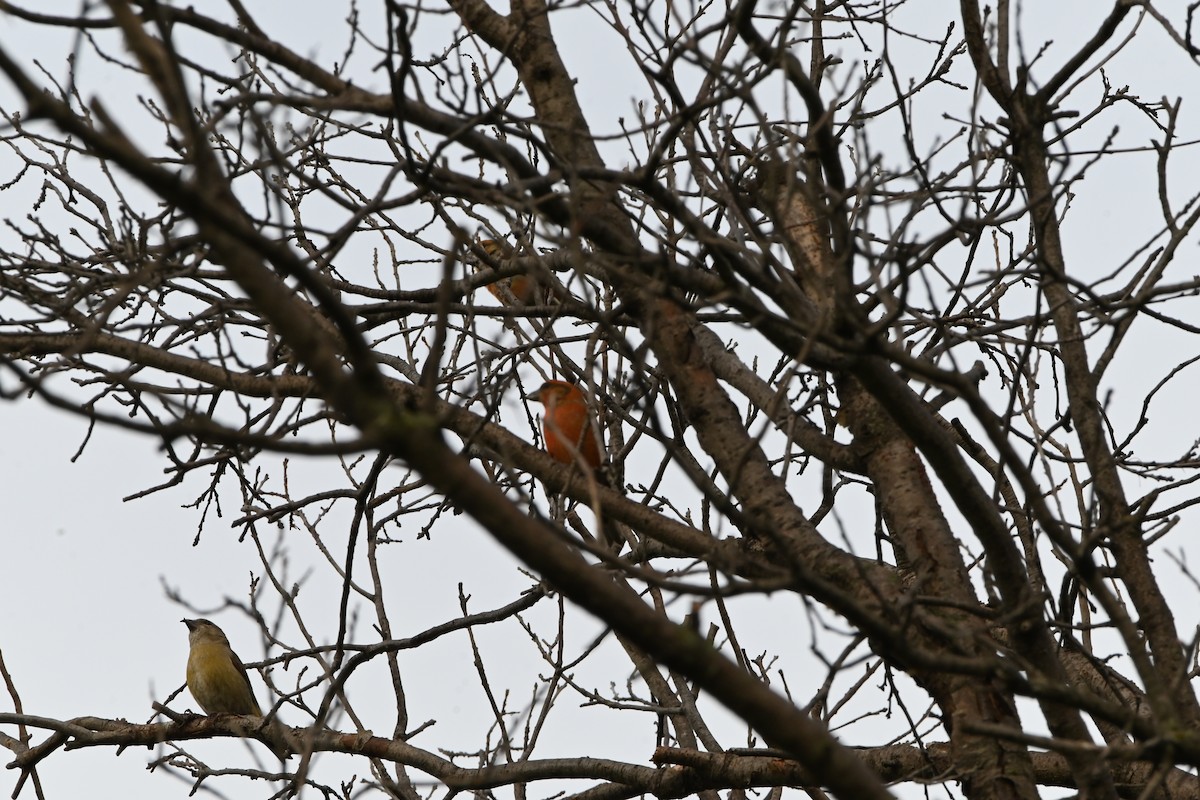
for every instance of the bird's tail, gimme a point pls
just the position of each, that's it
(613, 534)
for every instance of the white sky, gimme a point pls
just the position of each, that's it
(87, 629)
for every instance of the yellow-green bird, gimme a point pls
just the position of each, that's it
(216, 677)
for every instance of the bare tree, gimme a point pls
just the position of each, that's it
(814, 283)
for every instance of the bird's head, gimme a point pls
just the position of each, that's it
(201, 631)
(553, 393)
(497, 249)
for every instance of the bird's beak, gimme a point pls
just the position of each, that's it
(191, 623)
(533, 397)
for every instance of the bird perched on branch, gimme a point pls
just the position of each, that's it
(569, 431)
(572, 437)
(524, 289)
(217, 678)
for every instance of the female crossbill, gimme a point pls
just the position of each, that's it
(216, 677)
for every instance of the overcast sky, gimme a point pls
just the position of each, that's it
(87, 627)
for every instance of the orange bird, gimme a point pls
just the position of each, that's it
(572, 437)
(567, 424)
(524, 288)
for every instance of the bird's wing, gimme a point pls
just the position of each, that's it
(241, 668)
